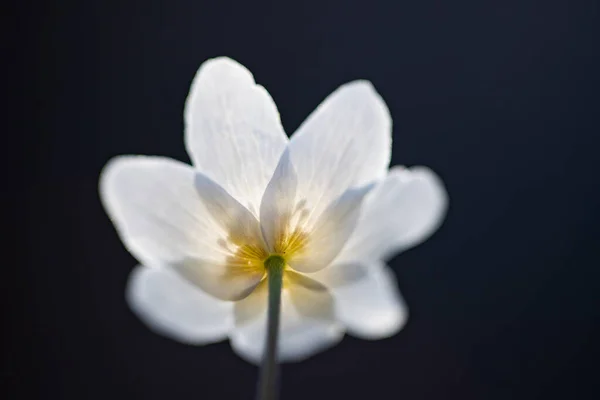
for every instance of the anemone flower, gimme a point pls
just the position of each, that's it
(275, 244)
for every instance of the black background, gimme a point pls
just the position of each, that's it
(499, 97)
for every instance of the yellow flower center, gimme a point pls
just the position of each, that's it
(290, 243)
(248, 255)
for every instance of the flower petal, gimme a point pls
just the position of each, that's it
(307, 324)
(225, 281)
(339, 274)
(344, 143)
(166, 214)
(172, 307)
(252, 307)
(401, 212)
(235, 220)
(233, 132)
(331, 232)
(372, 308)
(157, 211)
(278, 202)
(309, 297)
(235, 275)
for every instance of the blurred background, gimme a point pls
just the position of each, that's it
(500, 98)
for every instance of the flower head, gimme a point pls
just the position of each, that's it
(323, 205)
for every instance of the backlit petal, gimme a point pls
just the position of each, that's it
(167, 214)
(278, 203)
(157, 211)
(372, 308)
(232, 130)
(236, 222)
(401, 212)
(331, 232)
(307, 324)
(309, 297)
(172, 307)
(253, 306)
(225, 281)
(239, 270)
(344, 143)
(340, 274)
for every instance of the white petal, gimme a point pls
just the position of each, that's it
(307, 324)
(174, 308)
(253, 306)
(401, 212)
(331, 232)
(339, 274)
(278, 202)
(225, 281)
(344, 143)
(232, 130)
(230, 277)
(168, 215)
(240, 226)
(157, 211)
(372, 308)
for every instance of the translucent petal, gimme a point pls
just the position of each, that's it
(309, 297)
(240, 270)
(401, 212)
(232, 130)
(278, 202)
(344, 143)
(172, 307)
(307, 324)
(235, 220)
(225, 281)
(331, 232)
(371, 308)
(340, 274)
(157, 211)
(252, 307)
(168, 215)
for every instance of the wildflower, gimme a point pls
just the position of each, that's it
(309, 220)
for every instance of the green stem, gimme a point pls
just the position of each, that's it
(267, 389)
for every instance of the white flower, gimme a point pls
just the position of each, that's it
(324, 201)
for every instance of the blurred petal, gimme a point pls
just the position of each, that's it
(372, 308)
(278, 202)
(172, 307)
(309, 297)
(226, 281)
(401, 212)
(344, 143)
(338, 274)
(307, 324)
(331, 232)
(252, 307)
(232, 130)
(157, 211)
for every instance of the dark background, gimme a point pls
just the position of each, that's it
(499, 97)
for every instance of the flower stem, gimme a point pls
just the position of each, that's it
(267, 389)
